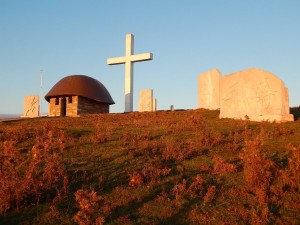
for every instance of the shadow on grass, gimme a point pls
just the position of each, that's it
(132, 207)
(18, 217)
(77, 132)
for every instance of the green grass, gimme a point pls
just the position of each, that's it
(145, 143)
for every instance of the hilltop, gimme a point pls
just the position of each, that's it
(4, 116)
(182, 167)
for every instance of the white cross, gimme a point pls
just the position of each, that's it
(128, 60)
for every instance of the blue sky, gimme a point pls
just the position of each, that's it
(67, 37)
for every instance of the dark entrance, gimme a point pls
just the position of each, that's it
(63, 109)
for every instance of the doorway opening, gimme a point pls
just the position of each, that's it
(63, 109)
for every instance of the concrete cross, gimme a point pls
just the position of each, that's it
(128, 60)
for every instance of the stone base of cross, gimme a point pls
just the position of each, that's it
(128, 60)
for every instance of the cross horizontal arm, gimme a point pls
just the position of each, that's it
(141, 57)
(117, 60)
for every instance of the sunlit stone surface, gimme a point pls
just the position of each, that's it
(128, 60)
(209, 89)
(31, 106)
(154, 105)
(146, 101)
(254, 94)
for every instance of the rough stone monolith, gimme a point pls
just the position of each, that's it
(209, 89)
(146, 101)
(254, 94)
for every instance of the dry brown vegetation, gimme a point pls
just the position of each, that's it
(184, 167)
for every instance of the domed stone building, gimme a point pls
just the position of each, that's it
(76, 95)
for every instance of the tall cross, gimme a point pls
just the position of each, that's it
(128, 60)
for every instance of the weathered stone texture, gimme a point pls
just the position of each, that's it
(154, 105)
(31, 106)
(146, 101)
(87, 106)
(75, 106)
(209, 89)
(72, 106)
(255, 94)
(54, 107)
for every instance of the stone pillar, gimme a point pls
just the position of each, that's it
(254, 94)
(146, 101)
(154, 105)
(31, 106)
(209, 89)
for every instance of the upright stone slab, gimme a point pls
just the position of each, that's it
(254, 94)
(208, 89)
(154, 105)
(31, 106)
(146, 101)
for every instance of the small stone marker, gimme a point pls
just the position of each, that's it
(172, 108)
(209, 89)
(31, 106)
(146, 101)
(254, 94)
(154, 105)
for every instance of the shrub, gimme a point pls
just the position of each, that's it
(24, 182)
(89, 206)
(149, 174)
(258, 171)
(222, 167)
(259, 174)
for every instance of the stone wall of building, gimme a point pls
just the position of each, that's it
(75, 106)
(54, 107)
(87, 106)
(72, 106)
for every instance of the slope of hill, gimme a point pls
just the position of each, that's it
(5, 116)
(186, 167)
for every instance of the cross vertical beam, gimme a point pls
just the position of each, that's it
(129, 73)
(128, 60)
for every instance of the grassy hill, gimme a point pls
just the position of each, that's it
(184, 167)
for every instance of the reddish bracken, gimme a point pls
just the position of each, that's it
(149, 174)
(29, 181)
(185, 167)
(89, 205)
(222, 167)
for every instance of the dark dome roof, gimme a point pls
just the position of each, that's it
(83, 86)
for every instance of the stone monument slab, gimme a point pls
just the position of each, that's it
(154, 105)
(209, 89)
(146, 101)
(31, 106)
(254, 94)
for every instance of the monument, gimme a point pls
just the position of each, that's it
(31, 106)
(146, 102)
(128, 60)
(209, 89)
(254, 94)
(154, 105)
